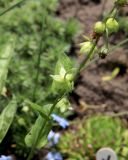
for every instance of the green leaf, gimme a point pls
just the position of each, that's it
(64, 61)
(6, 118)
(5, 57)
(42, 110)
(38, 129)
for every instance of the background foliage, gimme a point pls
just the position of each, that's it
(87, 136)
(37, 33)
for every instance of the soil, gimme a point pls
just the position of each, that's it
(91, 93)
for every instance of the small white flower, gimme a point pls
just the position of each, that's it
(62, 76)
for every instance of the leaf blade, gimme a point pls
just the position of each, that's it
(6, 118)
(5, 57)
(35, 131)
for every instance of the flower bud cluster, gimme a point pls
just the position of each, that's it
(111, 24)
(108, 26)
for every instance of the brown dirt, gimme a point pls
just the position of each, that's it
(91, 93)
(86, 13)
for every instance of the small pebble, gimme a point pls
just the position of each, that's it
(106, 154)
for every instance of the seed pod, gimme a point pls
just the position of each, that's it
(112, 25)
(99, 27)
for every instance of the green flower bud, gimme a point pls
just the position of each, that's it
(112, 25)
(99, 27)
(86, 47)
(121, 2)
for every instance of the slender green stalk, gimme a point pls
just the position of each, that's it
(38, 68)
(112, 10)
(110, 50)
(119, 44)
(81, 66)
(36, 85)
(12, 7)
(106, 39)
(41, 49)
(37, 138)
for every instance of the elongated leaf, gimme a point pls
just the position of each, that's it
(5, 57)
(43, 138)
(6, 118)
(32, 136)
(43, 110)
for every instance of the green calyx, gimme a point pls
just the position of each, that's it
(86, 47)
(63, 81)
(63, 105)
(99, 27)
(62, 76)
(112, 25)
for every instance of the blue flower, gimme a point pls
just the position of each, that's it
(53, 138)
(51, 135)
(62, 122)
(5, 157)
(53, 156)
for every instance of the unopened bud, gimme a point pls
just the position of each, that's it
(112, 25)
(99, 27)
(86, 47)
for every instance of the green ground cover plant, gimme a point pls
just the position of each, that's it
(87, 136)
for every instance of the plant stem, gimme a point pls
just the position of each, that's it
(110, 50)
(39, 57)
(105, 19)
(88, 57)
(119, 44)
(12, 7)
(37, 138)
(38, 68)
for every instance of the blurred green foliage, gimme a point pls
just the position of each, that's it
(85, 137)
(36, 30)
(32, 23)
(123, 22)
